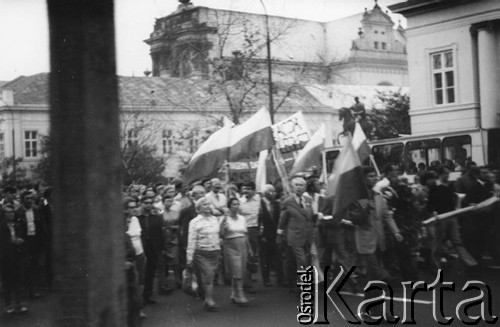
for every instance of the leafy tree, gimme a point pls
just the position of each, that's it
(8, 176)
(392, 121)
(143, 165)
(43, 168)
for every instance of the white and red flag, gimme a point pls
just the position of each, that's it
(251, 137)
(360, 144)
(349, 184)
(310, 155)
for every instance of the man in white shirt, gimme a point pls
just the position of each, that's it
(170, 254)
(217, 199)
(33, 219)
(249, 208)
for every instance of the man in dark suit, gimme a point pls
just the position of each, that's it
(474, 225)
(296, 224)
(31, 216)
(336, 239)
(268, 220)
(152, 240)
(13, 236)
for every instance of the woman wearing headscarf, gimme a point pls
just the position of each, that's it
(234, 233)
(203, 249)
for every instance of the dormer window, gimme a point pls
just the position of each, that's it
(375, 45)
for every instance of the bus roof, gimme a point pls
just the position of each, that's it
(415, 137)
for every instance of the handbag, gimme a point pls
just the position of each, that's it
(189, 282)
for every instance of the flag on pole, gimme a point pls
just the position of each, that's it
(210, 156)
(251, 137)
(310, 155)
(360, 144)
(349, 183)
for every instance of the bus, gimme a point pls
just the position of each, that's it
(410, 152)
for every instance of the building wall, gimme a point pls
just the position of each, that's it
(23, 119)
(153, 123)
(187, 38)
(450, 29)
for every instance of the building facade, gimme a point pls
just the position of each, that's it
(173, 115)
(453, 64)
(363, 49)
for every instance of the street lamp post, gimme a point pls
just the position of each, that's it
(269, 66)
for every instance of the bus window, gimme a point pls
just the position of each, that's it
(331, 156)
(457, 149)
(388, 154)
(421, 154)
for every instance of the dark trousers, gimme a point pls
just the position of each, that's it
(253, 239)
(339, 248)
(374, 271)
(475, 234)
(300, 255)
(13, 271)
(34, 254)
(270, 260)
(149, 275)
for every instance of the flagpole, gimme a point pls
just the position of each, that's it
(323, 159)
(374, 163)
(226, 174)
(280, 166)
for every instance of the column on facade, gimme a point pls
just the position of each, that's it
(488, 76)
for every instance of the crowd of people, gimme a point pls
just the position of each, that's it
(220, 233)
(25, 245)
(225, 233)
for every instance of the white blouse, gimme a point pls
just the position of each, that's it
(203, 235)
(134, 232)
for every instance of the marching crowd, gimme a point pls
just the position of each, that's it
(227, 233)
(215, 233)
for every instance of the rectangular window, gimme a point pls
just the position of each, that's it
(422, 154)
(194, 142)
(30, 144)
(443, 72)
(375, 45)
(133, 137)
(383, 45)
(389, 154)
(167, 141)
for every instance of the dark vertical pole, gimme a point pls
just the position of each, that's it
(269, 66)
(84, 116)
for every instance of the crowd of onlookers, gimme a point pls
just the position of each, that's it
(25, 245)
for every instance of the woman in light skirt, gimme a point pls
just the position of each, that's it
(203, 249)
(234, 234)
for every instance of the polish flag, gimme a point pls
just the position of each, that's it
(251, 137)
(360, 143)
(310, 155)
(348, 184)
(210, 156)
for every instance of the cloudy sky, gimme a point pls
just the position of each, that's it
(24, 27)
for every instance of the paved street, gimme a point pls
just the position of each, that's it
(271, 306)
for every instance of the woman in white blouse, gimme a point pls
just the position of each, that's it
(203, 249)
(234, 233)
